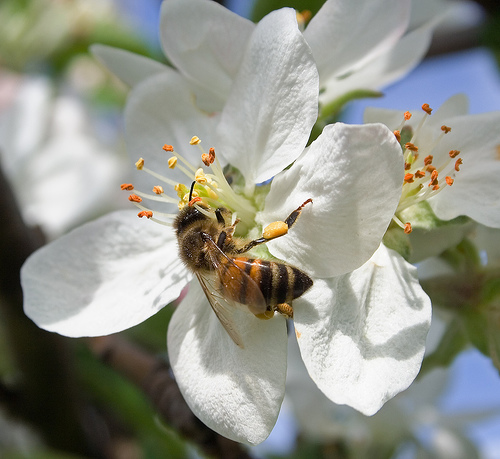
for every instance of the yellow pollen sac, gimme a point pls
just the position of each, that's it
(172, 162)
(158, 189)
(127, 186)
(145, 213)
(200, 176)
(139, 164)
(427, 109)
(195, 140)
(275, 229)
(168, 147)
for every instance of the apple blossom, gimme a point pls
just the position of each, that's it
(451, 160)
(113, 273)
(357, 45)
(49, 150)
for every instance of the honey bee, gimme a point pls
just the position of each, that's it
(230, 279)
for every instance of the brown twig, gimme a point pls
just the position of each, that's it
(46, 395)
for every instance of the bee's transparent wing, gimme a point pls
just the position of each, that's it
(233, 279)
(223, 309)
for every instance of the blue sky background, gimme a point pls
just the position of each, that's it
(475, 383)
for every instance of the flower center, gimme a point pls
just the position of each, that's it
(428, 169)
(207, 191)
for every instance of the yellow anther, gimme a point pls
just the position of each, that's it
(199, 176)
(139, 164)
(275, 229)
(172, 162)
(158, 189)
(195, 140)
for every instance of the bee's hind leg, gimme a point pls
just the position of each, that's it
(276, 229)
(285, 309)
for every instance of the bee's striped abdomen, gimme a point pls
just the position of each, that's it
(278, 282)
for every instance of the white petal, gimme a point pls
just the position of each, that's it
(236, 392)
(475, 191)
(205, 42)
(160, 111)
(353, 175)
(129, 67)
(346, 34)
(273, 104)
(386, 68)
(362, 335)
(103, 277)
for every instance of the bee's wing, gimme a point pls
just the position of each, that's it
(233, 279)
(222, 308)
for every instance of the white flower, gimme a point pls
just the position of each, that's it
(360, 342)
(410, 421)
(456, 172)
(356, 45)
(60, 174)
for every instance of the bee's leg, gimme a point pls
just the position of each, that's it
(275, 229)
(285, 309)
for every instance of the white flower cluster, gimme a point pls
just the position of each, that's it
(252, 92)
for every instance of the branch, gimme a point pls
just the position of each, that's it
(47, 395)
(153, 375)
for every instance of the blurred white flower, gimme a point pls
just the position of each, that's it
(61, 173)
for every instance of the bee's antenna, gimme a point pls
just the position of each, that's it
(191, 191)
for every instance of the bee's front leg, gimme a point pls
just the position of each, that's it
(276, 229)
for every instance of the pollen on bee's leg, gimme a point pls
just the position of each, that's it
(285, 309)
(265, 315)
(275, 229)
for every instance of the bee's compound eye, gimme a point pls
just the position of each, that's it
(275, 229)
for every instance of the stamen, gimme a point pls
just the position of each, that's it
(139, 164)
(398, 135)
(408, 178)
(195, 140)
(428, 160)
(145, 213)
(445, 129)
(158, 189)
(458, 163)
(168, 148)
(427, 109)
(419, 174)
(407, 116)
(454, 153)
(408, 229)
(134, 198)
(127, 186)
(172, 162)
(411, 147)
(449, 180)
